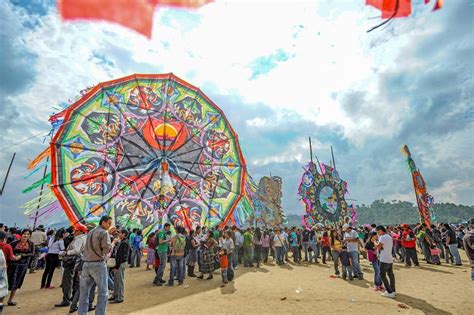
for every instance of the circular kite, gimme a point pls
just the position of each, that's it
(147, 148)
(323, 195)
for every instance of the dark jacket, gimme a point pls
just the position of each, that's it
(121, 255)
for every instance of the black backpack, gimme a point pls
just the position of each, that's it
(437, 236)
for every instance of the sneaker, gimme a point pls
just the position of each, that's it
(388, 295)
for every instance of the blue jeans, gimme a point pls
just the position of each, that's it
(347, 271)
(377, 277)
(177, 266)
(235, 256)
(453, 248)
(248, 256)
(230, 270)
(93, 273)
(305, 249)
(315, 252)
(110, 281)
(161, 267)
(354, 259)
(279, 254)
(136, 257)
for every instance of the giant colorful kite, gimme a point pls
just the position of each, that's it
(268, 207)
(323, 194)
(424, 200)
(143, 149)
(245, 214)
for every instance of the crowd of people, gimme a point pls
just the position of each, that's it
(93, 259)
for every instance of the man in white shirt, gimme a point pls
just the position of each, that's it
(385, 247)
(351, 240)
(239, 240)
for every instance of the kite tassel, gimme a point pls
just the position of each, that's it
(35, 170)
(35, 162)
(44, 180)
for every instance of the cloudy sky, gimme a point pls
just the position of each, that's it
(281, 71)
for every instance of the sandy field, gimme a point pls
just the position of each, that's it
(304, 289)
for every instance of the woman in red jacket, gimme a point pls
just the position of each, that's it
(409, 245)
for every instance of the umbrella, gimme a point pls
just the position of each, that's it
(147, 149)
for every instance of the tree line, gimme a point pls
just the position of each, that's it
(397, 211)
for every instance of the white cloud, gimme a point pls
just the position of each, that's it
(296, 151)
(329, 55)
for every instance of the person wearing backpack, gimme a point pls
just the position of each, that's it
(137, 246)
(424, 237)
(438, 239)
(177, 245)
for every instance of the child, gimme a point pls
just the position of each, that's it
(224, 264)
(326, 247)
(434, 251)
(344, 256)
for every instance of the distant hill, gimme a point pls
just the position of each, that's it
(396, 212)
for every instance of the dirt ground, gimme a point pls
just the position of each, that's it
(306, 288)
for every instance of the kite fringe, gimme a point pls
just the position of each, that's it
(39, 202)
(34, 163)
(35, 170)
(44, 180)
(55, 206)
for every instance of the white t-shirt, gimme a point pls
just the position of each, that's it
(352, 246)
(54, 247)
(386, 250)
(278, 241)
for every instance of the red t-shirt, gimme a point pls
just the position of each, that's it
(405, 242)
(224, 262)
(325, 241)
(7, 251)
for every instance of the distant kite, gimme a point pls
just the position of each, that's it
(136, 14)
(396, 8)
